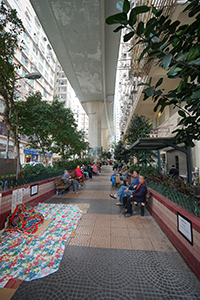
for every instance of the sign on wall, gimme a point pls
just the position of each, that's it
(17, 196)
(185, 227)
(34, 189)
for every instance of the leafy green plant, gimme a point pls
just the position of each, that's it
(175, 48)
(175, 184)
(145, 170)
(139, 127)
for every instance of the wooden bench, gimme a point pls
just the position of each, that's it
(61, 186)
(142, 204)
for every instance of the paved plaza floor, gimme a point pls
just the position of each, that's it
(112, 257)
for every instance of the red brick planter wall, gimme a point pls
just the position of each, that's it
(46, 189)
(164, 212)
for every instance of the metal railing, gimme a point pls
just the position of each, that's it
(13, 182)
(190, 204)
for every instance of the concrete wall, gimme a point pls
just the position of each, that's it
(164, 212)
(46, 189)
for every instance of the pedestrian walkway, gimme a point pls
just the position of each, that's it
(113, 257)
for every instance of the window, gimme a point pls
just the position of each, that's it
(31, 81)
(51, 81)
(40, 80)
(15, 6)
(32, 69)
(40, 67)
(26, 38)
(63, 89)
(26, 49)
(35, 49)
(63, 96)
(35, 38)
(45, 85)
(28, 14)
(23, 73)
(27, 26)
(47, 66)
(41, 58)
(24, 60)
(42, 48)
(44, 94)
(46, 75)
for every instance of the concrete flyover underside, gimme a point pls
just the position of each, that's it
(87, 49)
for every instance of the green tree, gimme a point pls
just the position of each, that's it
(175, 48)
(139, 127)
(50, 127)
(10, 29)
(35, 121)
(64, 130)
(118, 152)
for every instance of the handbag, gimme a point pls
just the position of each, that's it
(117, 179)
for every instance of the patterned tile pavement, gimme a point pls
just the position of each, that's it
(113, 258)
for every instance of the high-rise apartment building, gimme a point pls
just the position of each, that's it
(64, 92)
(37, 55)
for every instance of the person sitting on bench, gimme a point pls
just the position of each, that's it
(126, 190)
(115, 166)
(123, 176)
(78, 172)
(67, 178)
(138, 196)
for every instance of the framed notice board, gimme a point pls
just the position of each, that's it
(185, 227)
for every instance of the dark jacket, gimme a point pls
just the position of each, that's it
(140, 194)
(174, 172)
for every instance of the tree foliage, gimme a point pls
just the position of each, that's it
(176, 48)
(139, 127)
(118, 152)
(10, 29)
(50, 127)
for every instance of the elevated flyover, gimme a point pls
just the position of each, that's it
(87, 49)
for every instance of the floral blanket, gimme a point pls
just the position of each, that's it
(29, 257)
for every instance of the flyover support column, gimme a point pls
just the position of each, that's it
(94, 110)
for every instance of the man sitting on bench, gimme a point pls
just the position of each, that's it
(126, 190)
(66, 178)
(138, 196)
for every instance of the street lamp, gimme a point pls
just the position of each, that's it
(33, 76)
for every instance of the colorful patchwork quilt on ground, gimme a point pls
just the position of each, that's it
(29, 257)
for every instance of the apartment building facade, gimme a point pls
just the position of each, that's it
(64, 92)
(37, 55)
